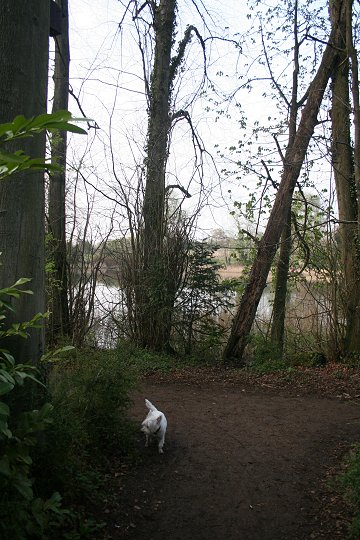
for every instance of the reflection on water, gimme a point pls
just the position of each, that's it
(308, 310)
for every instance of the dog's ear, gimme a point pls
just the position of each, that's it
(158, 420)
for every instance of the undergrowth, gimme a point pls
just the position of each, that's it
(89, 391)
(350, 481)
(142, 361)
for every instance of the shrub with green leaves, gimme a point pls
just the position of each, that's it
(197, 327)
(350, 481)
(264, 356)
(89, 396)
(22, 514)
(90, 393)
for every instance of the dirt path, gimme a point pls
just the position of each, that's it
(239, 464)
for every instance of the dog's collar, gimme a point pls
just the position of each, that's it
(157, 431)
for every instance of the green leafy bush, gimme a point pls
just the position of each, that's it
(197, 325)
(350, 481)
(141, 362)
(90, 394)
(22, 514)
(264, 356)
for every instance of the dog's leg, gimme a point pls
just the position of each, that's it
(161, 444)
(146, 440)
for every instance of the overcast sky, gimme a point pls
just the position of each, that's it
(106, 74)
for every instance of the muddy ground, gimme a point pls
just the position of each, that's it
(242, 461)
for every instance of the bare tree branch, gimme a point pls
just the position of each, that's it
(177, 186)
(274, 184)
(90, 126)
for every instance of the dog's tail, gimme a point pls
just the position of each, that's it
(150, 406)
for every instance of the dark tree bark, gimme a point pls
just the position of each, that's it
(353, 334)
(293, 161)
(58, 297)
(344, 166)
(24, 36)
(281, 282)
(156, 288)
(282, 270)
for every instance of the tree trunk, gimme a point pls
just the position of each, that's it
(353, 328)
(345, 181)
(282, 270)
(293, 161)
(281, 281)
(154, 302)
(156, 281)
(58, 295)
(24, 31)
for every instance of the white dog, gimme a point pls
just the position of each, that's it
(154, 425)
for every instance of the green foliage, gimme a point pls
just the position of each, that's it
(310, 230)
(85, 420)
(90, 392)
(314, 323)
(52, 282)
(22, 514)
(350, 482)
(144, 361)
(11, 374)
(20, 128)
(245, 250)
(262, 365)
(202, 299)
(264, 356)
(16, 329)
(87, 528)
